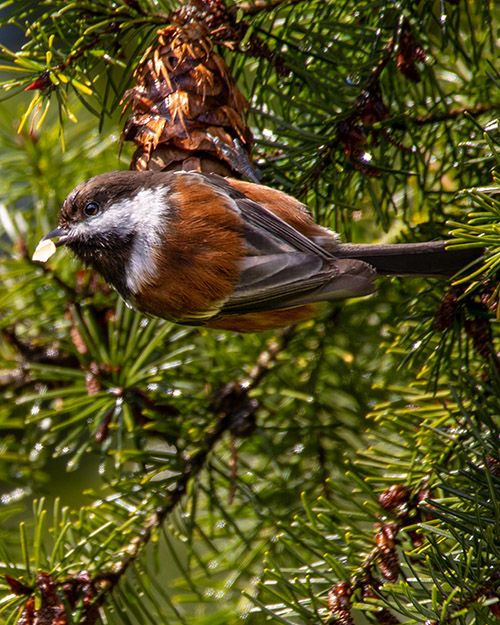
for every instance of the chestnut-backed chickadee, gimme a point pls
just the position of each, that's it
(199, 249)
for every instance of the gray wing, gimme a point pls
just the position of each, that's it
(284, 268)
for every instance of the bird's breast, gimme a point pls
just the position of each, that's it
(194, 268)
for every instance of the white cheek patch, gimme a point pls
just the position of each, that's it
(149, 212)
(145, 215)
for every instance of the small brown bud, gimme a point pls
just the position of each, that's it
(394, 497)
(339, 603)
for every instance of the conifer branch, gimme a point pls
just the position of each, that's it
(232, 407)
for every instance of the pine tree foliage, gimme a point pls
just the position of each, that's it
(342, 471)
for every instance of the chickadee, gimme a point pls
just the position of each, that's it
(199, 249)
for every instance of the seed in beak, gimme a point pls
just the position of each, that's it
(44, 250)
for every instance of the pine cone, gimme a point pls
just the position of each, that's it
(187, 112)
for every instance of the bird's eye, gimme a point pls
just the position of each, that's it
(91, 209)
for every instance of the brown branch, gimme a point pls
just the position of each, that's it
(381, 565)
(227, 404)
(172, 498)
(434, 118)
(266, 359)
(114, 27)
(82, 589)
(253, 7)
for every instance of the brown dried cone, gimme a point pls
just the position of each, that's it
(187, 112)
(388, 559)
(339, 604)
(58, 598)
(409, 53)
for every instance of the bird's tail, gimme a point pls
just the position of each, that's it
(430, 259)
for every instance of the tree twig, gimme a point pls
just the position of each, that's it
(226, 405)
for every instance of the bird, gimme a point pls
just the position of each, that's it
(200, 249)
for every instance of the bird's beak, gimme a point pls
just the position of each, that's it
(47, 247)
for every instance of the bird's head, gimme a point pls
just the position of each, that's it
(113, 223)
